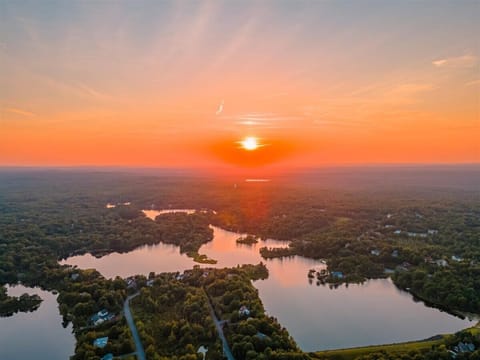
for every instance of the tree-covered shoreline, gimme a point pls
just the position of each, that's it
(45, 217)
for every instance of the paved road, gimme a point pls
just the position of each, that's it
(218, 325)
(136, 337)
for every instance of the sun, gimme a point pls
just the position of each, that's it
(250, 143)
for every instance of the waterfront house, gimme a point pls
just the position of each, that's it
(202, 350)
(337, 274)
(462, 348)
(244, 311)
(101, 317)
(101, 342)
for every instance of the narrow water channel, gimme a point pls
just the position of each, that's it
(318, 317)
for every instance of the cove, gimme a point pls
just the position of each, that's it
(38, 334)
(317, 317)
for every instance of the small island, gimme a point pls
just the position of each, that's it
(10, 305)
(249, 240)
(201, 258)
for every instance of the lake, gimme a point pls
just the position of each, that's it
(318, 317)
(38, 334)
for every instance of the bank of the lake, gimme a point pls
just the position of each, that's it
(317, 317)
(41, 329)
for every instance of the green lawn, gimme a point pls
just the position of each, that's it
(352, 353)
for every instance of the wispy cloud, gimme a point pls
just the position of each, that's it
(464, 61)
(473, 82)
(411, 88)
(266, 120)
(79, 89)
(220, 108)
(19, 112)
(87, 90)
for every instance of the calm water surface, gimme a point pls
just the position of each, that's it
(316, 316)
(38, 334)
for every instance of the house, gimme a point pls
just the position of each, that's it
(457, 258)
(101, 342)
(101, 317)
(244, 311)
(441, 262)
(202, 350)
(261, 335)
(414, 234)
(74, 276)
(463, 347)
(405, 266)
(108, 356)
(97, 320)
(466, 347)
(375, 252)
(131, 283)
(397, 232)
(337, 274)
(150, 282)
(432, 232)
(395, 253)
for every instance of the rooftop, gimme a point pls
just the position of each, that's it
(101, 342)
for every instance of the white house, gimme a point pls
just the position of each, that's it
(244, 311)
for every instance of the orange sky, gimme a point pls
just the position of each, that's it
(180, 83)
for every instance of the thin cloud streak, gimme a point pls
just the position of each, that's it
(474, 82)
(20, 112)
(465, 61)
(220, 108)
(94, 93)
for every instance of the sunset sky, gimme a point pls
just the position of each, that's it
(183, 83)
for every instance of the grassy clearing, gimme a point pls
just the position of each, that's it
(352, 353)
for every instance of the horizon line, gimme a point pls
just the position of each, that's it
(290, 167)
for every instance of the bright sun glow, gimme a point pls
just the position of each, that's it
(249, 143)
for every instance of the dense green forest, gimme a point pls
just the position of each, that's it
(250, 332)
(174, 317)
(425, 235)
